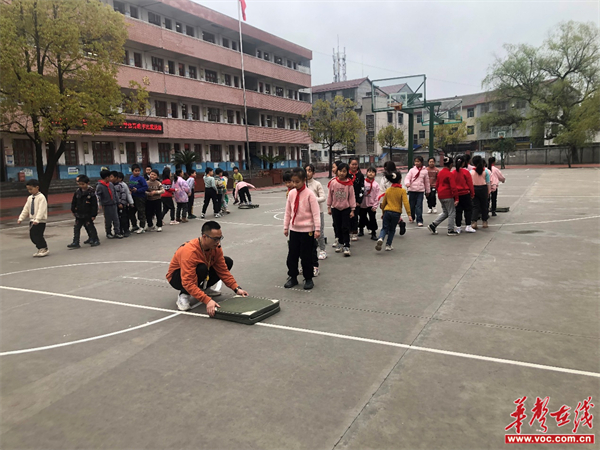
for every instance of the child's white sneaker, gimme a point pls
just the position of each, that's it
(335, 244)
(379, 244)
(346, 251)
(338, 248)
(152, 228)
(458, 230)
(140, 231)
(183, 302)
(159, 229)
(322, 254)
(354, 237)
(429, 211)
(389, 248)
(315, 272)
(435, 210)
(470, 229)
(173, 222)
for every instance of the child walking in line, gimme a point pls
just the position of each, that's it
(191, 181)
(432, 171)
(242, 193)
(237, 177)
(495, 180)
(446, 188)
(417, 182)
(334, 167)
(124, 201)
(390, 168)
(466, 192)
(391, 206)
(317, 188)
(84, 207)
(138, 187)
(36, 210)
(182, 191)
(368, 206)
(302, 224)
(107, 197)
(225, 179)
(481, 182)
(210, 193)
(341, 204)
(221, 189)
(358, 181)
(153, 202)
(167, 196)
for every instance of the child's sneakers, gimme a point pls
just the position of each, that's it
(217, 215)
(470, 229)
(322, 254)
(315, 271)
(434, 210)
(173, 222)
(74, 245)
(429, 211)
(354, 237)
(138, 231)
(374, 235)
(338, 248)
(95, 243)
(389, 248)
(346, 251)
(202, 216)
(452, 232)
(336, 243)
(183, 302)
(431, 227)
(152, 228)
(458, 230)
(41, 253)
(159, 229)
(291, 282)
(379, 244)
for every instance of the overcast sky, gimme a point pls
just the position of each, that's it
(453, 42)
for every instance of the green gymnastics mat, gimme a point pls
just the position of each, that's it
(248, 310)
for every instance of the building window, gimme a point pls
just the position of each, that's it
(184, 111)
(238, 118)
(279, 91)
(181, 68)
(225, 42)
(126, 58)
(208, 37)
(295, 66)
(258, 54)
(119, 7)
(421, 134)
(502, 106)
(153, 18)
(193, 72)
(520, 104)
(291, 123)
(267, 57)
(168, 24)
(260, 87)
(233, 45)
(390, 117)
(281, 151)
(230, 116)
(262, 121)
(164, 152)
(174, 110)
(189, 31)
(215, 153)
(195, 112)
(133, 12)
(280, 122)
(211, 76)
(198, 152)
(267, 88)
(278, 60)
(227, 80)
(161, 108)
(290, 93)
(158, 64)
(485, 107)
(214, 115)
(297, 124)
(289, 63)
(400, 119)
(470, 112)
(471, 129)
(178, 27)
(103, 152)
(171, 66)
(130, 152)
(419, 117)
(415, 137)
(24, 154)
(137, 59)
(236, 82)
(269, 121)
(71, 153)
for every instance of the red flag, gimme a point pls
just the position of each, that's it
(243, 3)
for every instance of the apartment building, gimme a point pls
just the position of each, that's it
(188, 58)
(359, 91)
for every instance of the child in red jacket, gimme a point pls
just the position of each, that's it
(466, 192)
(448, 195)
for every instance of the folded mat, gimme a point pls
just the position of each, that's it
(248, 310)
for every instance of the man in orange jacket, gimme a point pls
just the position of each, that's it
(199, 264)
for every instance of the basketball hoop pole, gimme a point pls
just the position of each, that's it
(431, 132)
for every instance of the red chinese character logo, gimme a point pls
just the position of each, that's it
(562, 415)
(539, 410)
(518, 414)
(586, 418)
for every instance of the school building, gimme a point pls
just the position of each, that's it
(188, 58)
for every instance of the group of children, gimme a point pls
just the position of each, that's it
(353, 201)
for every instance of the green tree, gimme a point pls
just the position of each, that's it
(504, 146)
(271, 159)
(559, 82)
(390, 137)
(448, 136)
(185, 158)
(58, 63)
(332, 123)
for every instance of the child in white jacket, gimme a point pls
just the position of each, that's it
(369, 204)
(36, 209)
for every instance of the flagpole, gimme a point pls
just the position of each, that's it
(248, 160)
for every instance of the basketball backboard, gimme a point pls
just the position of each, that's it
(447, 111)
(398, 93)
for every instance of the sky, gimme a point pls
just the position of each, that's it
(452, 42)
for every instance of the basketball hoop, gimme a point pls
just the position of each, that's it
(396, 106)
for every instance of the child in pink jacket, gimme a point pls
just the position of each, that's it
(341, 203)
(369, 204)
(302, 222)
(495, 179)
(417, 183)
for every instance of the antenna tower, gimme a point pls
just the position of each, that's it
(339, 64)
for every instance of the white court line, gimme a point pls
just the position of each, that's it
(335, 335)
(65, 344)
(545, 221)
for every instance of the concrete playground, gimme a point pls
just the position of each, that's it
(427, 346)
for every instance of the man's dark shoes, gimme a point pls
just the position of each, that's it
(191, 216)
(309, 284)
(402, 228)
(374, 236)
(291, 282)
(95, 243)
(74, 245)
(110, 236)
(87, 241)
(361, 232)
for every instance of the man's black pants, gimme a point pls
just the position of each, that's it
(201, 272)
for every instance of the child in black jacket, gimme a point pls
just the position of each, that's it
(84, 207)
(107, 198)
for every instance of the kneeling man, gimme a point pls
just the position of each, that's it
(199, 264)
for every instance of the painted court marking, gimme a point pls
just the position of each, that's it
(269, 325)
